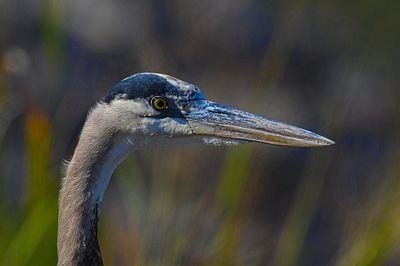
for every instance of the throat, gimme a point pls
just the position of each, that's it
(81, 198)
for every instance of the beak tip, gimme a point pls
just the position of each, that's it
(326, 142)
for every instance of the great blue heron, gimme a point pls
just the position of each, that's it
(144, 110)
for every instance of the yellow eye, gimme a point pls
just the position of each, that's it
(159, 103)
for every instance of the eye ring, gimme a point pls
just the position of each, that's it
(159, 103)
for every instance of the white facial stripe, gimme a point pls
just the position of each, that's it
(138, 107)
(171, 80)
(175, 82)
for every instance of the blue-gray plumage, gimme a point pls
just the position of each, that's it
(145, 85)
(141, 110)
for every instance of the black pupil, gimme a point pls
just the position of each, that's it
(161, 103)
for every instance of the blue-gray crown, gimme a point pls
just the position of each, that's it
(146, 85)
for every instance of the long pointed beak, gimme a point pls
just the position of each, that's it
(214, 120)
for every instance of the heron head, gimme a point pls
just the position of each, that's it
(158, 106)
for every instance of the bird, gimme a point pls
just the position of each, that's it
(146, 110)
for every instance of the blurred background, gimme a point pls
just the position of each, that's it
(328, 66)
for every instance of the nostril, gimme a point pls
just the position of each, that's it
(218, 111)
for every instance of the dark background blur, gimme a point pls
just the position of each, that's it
(328, 66)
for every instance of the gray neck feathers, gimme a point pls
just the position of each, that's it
(100, 149)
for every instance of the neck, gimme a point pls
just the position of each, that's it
(97, 154)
